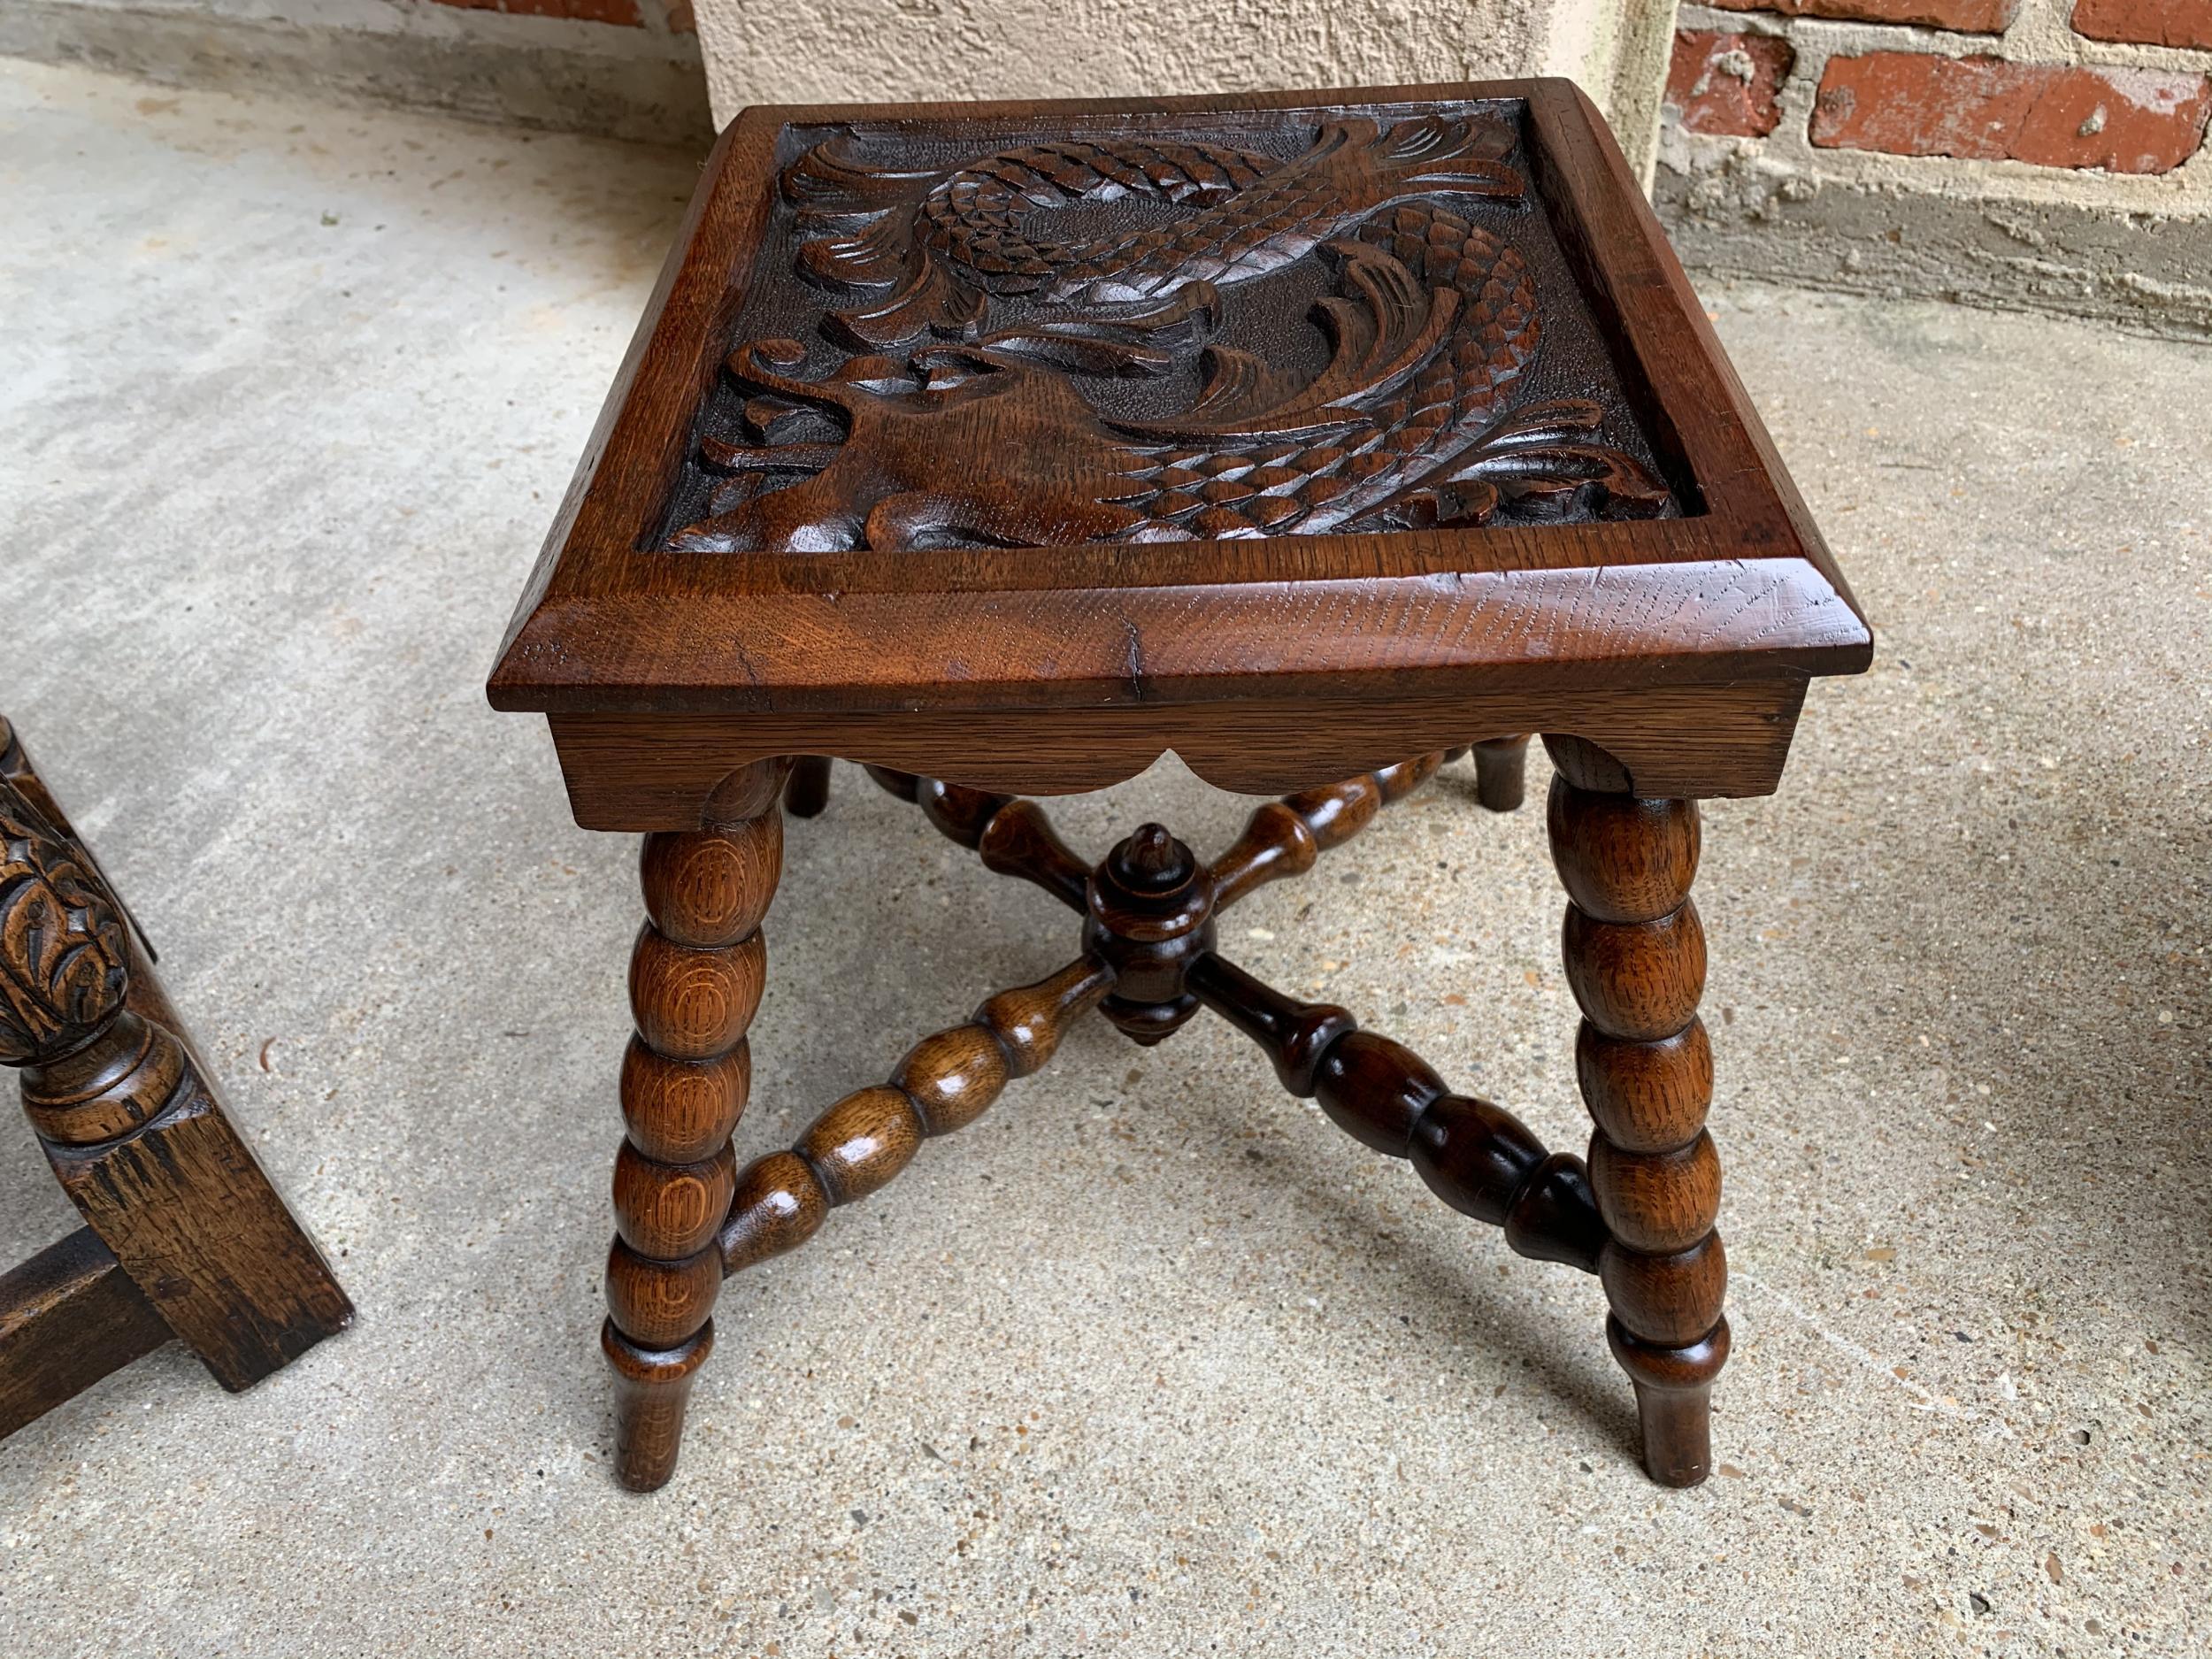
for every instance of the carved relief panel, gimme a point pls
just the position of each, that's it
(1209, 328)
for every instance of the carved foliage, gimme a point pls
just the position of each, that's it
(62, 952)
(971, 408)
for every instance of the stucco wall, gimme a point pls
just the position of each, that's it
(783, 51)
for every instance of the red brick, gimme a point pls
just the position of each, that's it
(1983, 109)
(2147, 22)
(1728, 83)
(587, 10)
(1967, 17)
(680, 20)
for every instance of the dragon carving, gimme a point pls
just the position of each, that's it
(954, 432)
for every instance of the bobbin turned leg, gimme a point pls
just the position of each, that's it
(696, 978)
(1635, 958)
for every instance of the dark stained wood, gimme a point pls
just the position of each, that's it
(645, 771)
(658, 1303)
(1646, 1074)
(1003, 449)
(807, 791)
(1477, 1157)
(953, 1076)
(679, 1110)
(959, 813)
(1672, 359)
(710, 891)
(195, 1221)
(1584, 197)
(670, 1210)
(69, 1316)
(1299, 1038)
(1277, 842)
(15, 768)
(1502, 772)
(903, 785)
(1646, 1096)
(1285, 837)
(1660, 1203)
(1004, 571)
(696, 973)
(1014, 837)
(694, 1003)
(127, 1113)
(1151, 915)
(651, 1389)
(1019, 841)
(817, 441)
(1183, 648)
(1674, 1388)
(1623, 859)
(1671, 1300)
(1372, 1088)
(944, 1083)
(1637, 980)
(859, 1144)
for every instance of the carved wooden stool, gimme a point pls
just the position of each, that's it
(185, 1236)
(1003, 448)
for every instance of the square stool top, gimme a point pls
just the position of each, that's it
(1083, 405)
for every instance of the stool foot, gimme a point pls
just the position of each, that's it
(1674, 1400)
(650, 1392)
(1502, 772)
(807, 792)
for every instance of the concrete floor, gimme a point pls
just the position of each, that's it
(1152, 1360)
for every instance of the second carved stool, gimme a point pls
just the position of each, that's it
(1005, 447)
(185, 1237)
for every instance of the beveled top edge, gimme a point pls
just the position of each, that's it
(1648, 625)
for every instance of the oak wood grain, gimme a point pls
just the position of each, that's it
(644, 772)
(126, 1108)
(69, 1316)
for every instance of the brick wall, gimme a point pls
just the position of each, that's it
(1987, 99)
(2048, 152)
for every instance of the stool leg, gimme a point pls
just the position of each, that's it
(696, 978)
(132, 1124)
(807, 792)
(1635, 958)
(1502, 772)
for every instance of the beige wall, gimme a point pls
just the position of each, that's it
(786, 51)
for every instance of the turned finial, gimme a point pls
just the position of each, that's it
(1152, 861)
(1151, 915)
